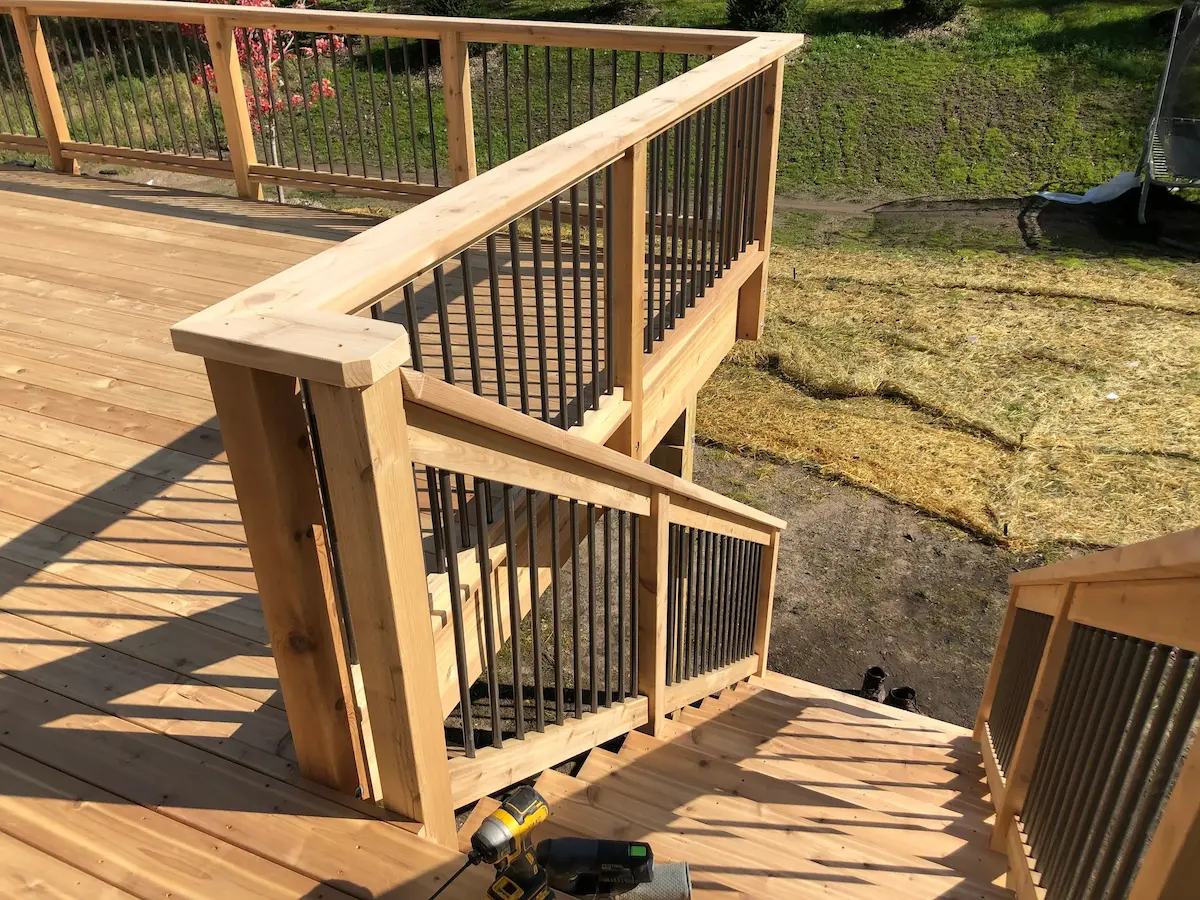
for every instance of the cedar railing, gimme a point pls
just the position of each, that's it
(1088, 724)
(381, 493)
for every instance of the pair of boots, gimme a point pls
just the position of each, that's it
(899, 697)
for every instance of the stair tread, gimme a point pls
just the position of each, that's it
(788, 830)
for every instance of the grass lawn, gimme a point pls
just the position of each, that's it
(1033, 399)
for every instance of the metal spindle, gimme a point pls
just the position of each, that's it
(755, 150)
(621, 557)
(320, 81)
(112, 67)
(145, 81)
(456, 616)
(684, 223)
(704, 216)
(468, 278)
(487, 103)
(435, 516)
(528, 104)
(429, 108)
(549, 119)
(414, 334)
(635, 601)
(497, 319)
(577, 297)
(99, 85)
(378, 129)
(595, 289)
(609, 191)
(539, 299)
(591, 595)
(652, 210)
(287, 94)
(570, 88)
(443, 316)
(484, 555)
(535, 610)
(608, 687)
(412, 118)
(696, 151)
(660, 229)
(637, 73)
(673, 582)
(576, 667)
(682, 631)
(677, 190)
(559, 310)
(514, 612)
(556, 604)
(514, 245)
(391, 92)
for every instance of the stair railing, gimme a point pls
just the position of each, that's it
(355, 549)
(1088, 723)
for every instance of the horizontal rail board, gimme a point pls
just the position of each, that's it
(1170, 556)
(692, 515)
(558, 34)
(23, 142)
(154, 159)
(1041, 598)
(493, 769)
(681, 694)
(1163, 611)
(335, 182)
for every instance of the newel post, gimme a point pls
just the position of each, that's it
(766, 601)
(36, 59)
(460, 119)
(653, 539)
(627, 258)
(752, 297)
(368, 471)
(231, 95)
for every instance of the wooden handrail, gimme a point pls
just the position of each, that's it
(264, 325)
(514, 31)
(1171, 556)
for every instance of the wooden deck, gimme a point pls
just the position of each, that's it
(144, 750)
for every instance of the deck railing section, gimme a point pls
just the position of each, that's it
(1088, 725)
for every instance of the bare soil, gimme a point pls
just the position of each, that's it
(864, 581)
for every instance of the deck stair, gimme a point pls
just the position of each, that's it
(781, 788)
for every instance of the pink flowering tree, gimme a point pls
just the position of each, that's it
(277, 73)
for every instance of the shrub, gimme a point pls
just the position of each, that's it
(932, 12)
(452, 8)
(765, 15)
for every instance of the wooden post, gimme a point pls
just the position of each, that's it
(993, 677)
(628, 261)
(1037, 717)
(675, 453)
(1171, 866)
(460, 120)
(231, 94)
(36, 59)
(752, 297)
(652, 609)
(766, 602)
(368, 469)
(265, 432)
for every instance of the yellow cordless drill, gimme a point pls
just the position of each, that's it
(503, 841)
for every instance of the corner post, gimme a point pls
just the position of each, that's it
(369, 474)
(460, 119)
(36, 59)
(766, 602)
(993, 677)
(265, 431)
(752, 297)
(628, 262)
(1037, 717)
(231, 95)
(653, 540)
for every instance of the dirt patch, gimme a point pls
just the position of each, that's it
(864, 581)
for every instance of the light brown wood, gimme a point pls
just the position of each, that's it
(493, 768)
(752, 298)
(1019, 772)
(1020, 869)
(340, 183)
(993, 676)
(991, 767)
(676, 452)
(629, 291)
(456, 96)
(264, 425)
(1170, 556)
(1164, 611)
(27, 871)
(766, 603)
(1039, 598)
(25, 143)
(232, 97)
(684, 692)
(1171, 866)
(36, 60)
(653, 585)
(370, 482)
(685, 511)
(151, 159)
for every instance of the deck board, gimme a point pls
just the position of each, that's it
(144, 750)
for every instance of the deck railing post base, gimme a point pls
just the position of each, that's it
(36, 59)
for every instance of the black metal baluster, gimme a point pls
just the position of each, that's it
(729, 192)
(414, 335)
(704, 217)
(591, 594)
(662, 67)
(82, 124)
(208, 101)
(514, 612)
(145, 81)
(755, 591)
(681, 257)
(747, 598)
(497, 319)
(412, 117)
(727, 591)
(637, 73)
(508, 107)
(621, 620)
(698, 208)
(316, 58)
(11, 88)
(683, 632)
(635, 600)
(560, 319)
(535, 610)
(378, 129)
(664, 204)
(275, 151)
(487, 101)
(720, 153)
(112, 67)
(673, 582)
(737, 216)
(528, 103)
(606, 524)
(429, 107)
(468, 278)
(570, 88)
(539, 299)
(514, 245)
(717, 622)
(435, 516)
(573, 507)
(706, 606)
(556, 602)
(651, 234)
(609, 190)
(483, 552)
(678, 185)
(391, 92)
(755, 150)
(577, 298)
(614, 80)
(337, 98)
(112, 121)
(443, 314)
(291, 110)
(591, 84)
(549, 119)
(456, 616)
(595, 289)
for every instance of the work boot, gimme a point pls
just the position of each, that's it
(902, 698)
(872, 685)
